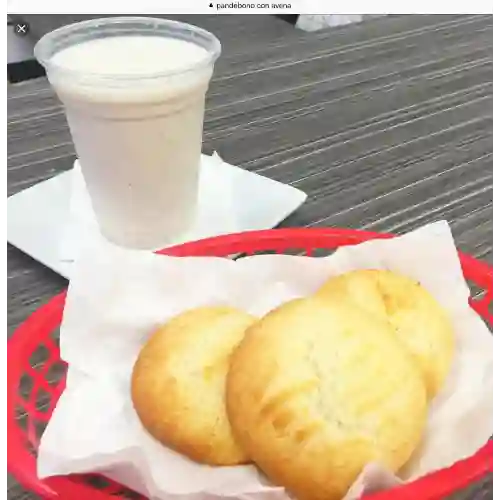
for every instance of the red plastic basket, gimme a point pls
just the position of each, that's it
(35, 372)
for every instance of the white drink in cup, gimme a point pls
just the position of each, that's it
(133, 89)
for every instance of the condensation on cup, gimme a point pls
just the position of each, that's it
(133, 89)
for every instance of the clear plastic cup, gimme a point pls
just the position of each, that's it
(133, 89)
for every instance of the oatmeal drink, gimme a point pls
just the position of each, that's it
(134, 91)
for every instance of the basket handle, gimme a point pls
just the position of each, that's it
(441, 483)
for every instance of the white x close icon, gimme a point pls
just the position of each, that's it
(21, 29)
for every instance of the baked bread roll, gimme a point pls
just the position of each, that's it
(415, 315)
(179, 383)
(316, 390)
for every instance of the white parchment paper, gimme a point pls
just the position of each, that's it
(118, 297)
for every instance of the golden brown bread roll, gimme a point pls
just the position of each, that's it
(316, 390)
(179, 382)
(415, 315)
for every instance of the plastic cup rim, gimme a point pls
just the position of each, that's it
(44, 55)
